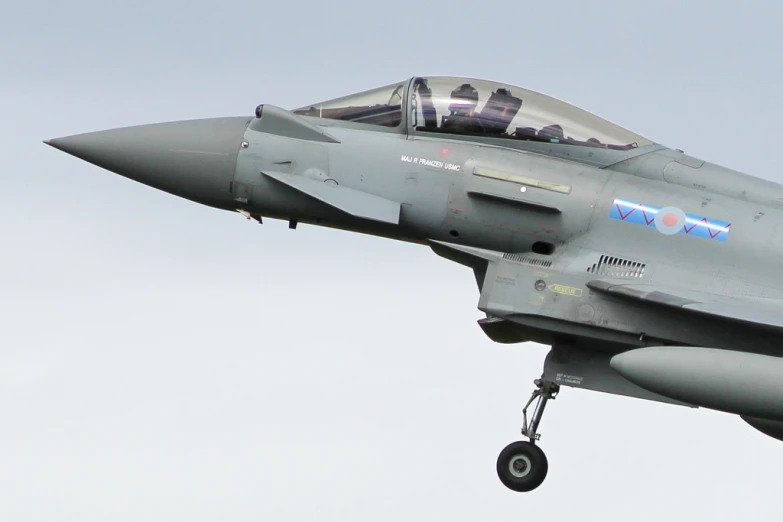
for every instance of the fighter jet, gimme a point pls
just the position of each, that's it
(650, 273)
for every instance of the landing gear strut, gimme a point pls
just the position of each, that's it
(522, 466)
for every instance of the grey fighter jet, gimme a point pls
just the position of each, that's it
(650, 273)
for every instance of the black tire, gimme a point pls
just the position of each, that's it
(522, 466)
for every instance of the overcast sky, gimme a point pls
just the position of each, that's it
(165, 361)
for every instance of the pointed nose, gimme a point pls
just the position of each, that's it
(194, 159)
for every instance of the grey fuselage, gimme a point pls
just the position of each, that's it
(458, 207)
(554, 226)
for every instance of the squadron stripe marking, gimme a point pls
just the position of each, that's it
(669, 220)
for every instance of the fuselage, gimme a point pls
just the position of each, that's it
(574, 208)
(433, 178)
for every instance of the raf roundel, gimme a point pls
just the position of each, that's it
(670, 220)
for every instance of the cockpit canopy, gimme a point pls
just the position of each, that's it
(461, 106)
(381, 106)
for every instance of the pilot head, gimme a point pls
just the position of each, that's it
(463, 100)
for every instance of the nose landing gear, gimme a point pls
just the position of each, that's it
(522, 466)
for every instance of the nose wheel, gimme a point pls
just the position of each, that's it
(522, 466)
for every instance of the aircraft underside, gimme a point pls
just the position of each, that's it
(706, 359)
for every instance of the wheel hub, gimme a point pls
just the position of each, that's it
(519, 466)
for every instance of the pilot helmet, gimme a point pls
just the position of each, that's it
(463, 99)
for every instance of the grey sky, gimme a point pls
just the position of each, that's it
(165, 361)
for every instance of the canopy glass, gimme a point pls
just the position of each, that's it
(461, 106)
(483, 108)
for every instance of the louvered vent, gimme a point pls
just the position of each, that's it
(617, 267)
(527, 260)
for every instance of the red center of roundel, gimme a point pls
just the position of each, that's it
(670, 219)
(444, 152)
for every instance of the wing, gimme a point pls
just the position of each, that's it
(767, 313)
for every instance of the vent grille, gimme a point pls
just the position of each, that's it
(527, 260)
(617, 267)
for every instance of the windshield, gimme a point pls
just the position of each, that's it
(381, 106)
(482, 108)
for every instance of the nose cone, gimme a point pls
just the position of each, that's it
(193, 159)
